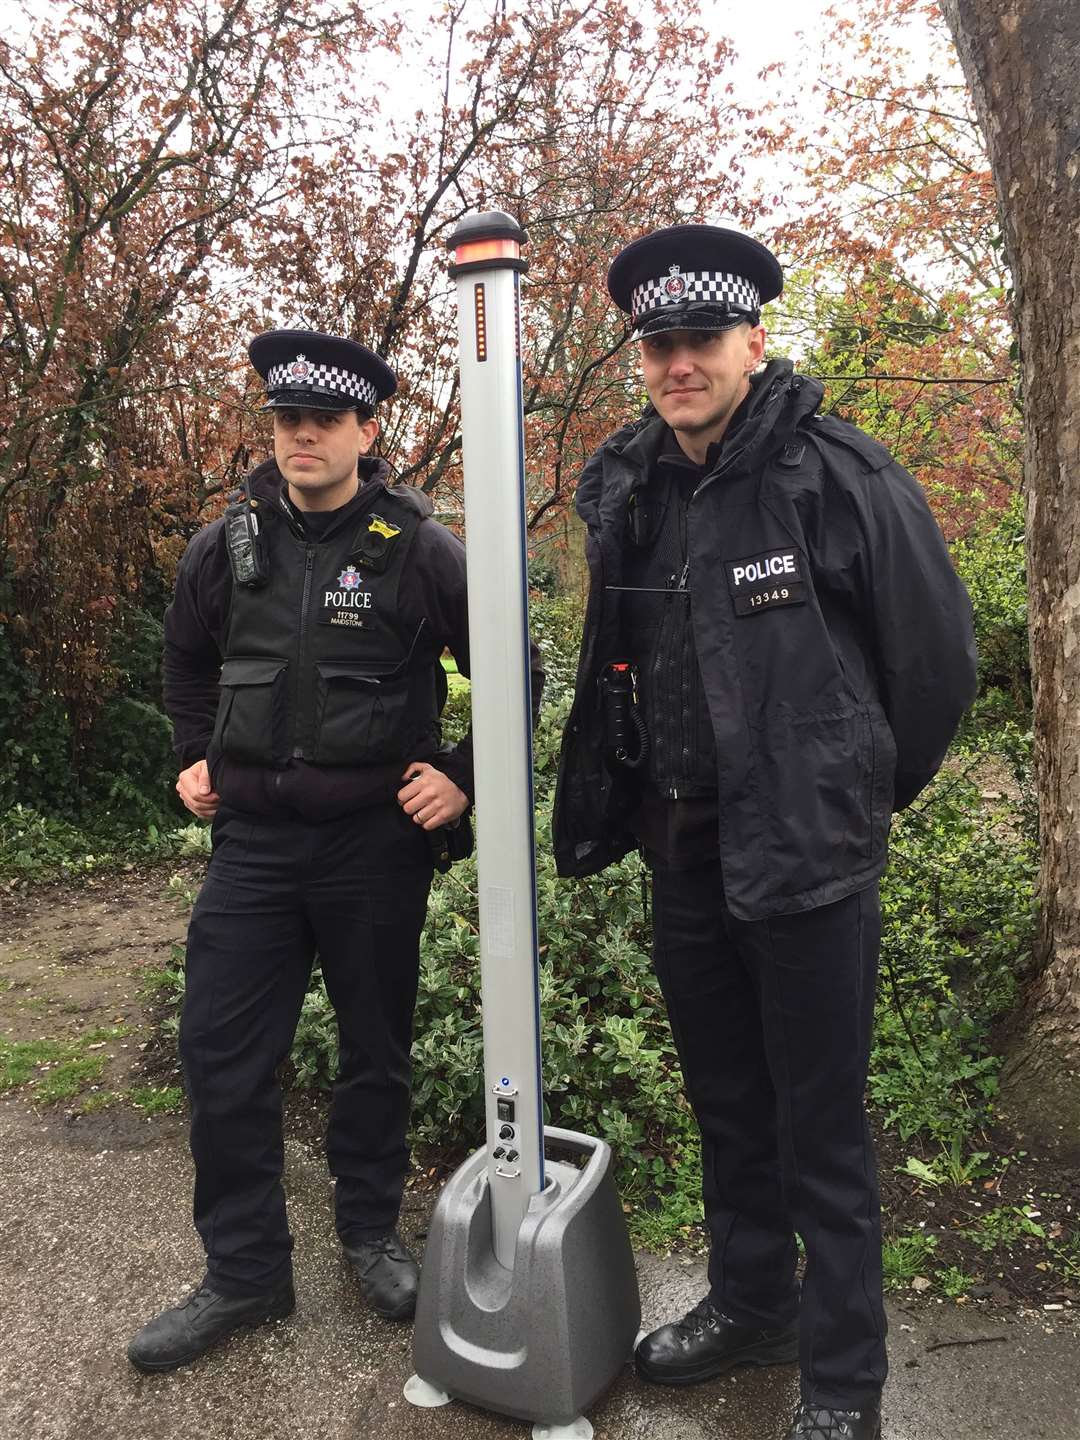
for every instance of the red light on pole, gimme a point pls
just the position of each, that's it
(486, 250)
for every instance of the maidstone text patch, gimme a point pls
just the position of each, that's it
(766, 581)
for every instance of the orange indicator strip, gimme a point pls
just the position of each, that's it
(474, 250)
(479, 306)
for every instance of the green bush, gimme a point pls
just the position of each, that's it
(543, 574)
(991, 563)
(456, 714)
(555, 625)
(121, 778)
(41, 847)
(609, 1063)
(128, 766)
(36, 740)
(137, 654)
(957, 913)
(130, 769)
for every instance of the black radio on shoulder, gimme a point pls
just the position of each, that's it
(248, 557)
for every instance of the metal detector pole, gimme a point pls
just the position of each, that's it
(528, 1301)
(486, 267)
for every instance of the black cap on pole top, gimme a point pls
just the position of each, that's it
(486, 225)
(487, 240)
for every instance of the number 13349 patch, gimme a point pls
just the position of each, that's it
(766, 581)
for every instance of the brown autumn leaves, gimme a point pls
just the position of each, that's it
(176, 176)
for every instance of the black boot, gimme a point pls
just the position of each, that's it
(388, 1275)
(811, 1422)
(180, 1335)
(705, 1343)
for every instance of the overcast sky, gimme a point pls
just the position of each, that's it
(794, 33)
(784, 30)
(791, 31)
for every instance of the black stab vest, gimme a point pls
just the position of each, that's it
(318, 666)
(658, 633)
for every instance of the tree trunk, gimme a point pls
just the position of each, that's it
(1022, 62)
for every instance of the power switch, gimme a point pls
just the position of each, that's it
(505, 1109)
(506, 1132)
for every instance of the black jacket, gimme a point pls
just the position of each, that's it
(432, 590)
(834, 638)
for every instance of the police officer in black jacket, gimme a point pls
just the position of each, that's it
(303, 678)
(776, 654)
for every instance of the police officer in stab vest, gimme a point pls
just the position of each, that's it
(303, 678)
(776, 654)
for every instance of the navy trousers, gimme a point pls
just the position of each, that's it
(277, 892)
(772, 1020)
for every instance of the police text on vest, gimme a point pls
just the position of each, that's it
(763, 582)
(772, 565)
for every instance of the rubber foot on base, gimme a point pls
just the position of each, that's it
(418, 1392)
(578, 1429)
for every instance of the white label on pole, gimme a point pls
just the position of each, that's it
(500, 920)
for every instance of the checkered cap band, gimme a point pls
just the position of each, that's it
(322, 377)
(713, 287)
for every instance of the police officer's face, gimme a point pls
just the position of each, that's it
(696, 379)
(317, 451)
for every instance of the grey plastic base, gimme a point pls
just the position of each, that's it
(541, 1342)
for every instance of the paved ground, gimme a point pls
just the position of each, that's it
(95, 1235)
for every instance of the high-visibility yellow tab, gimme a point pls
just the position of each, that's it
(383, 527)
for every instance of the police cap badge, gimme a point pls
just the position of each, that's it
(693, 277)
(308, 370)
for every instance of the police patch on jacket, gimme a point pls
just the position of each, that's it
(345, 603)
(766, 581)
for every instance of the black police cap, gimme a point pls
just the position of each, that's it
(309, 370)
(693, 277)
